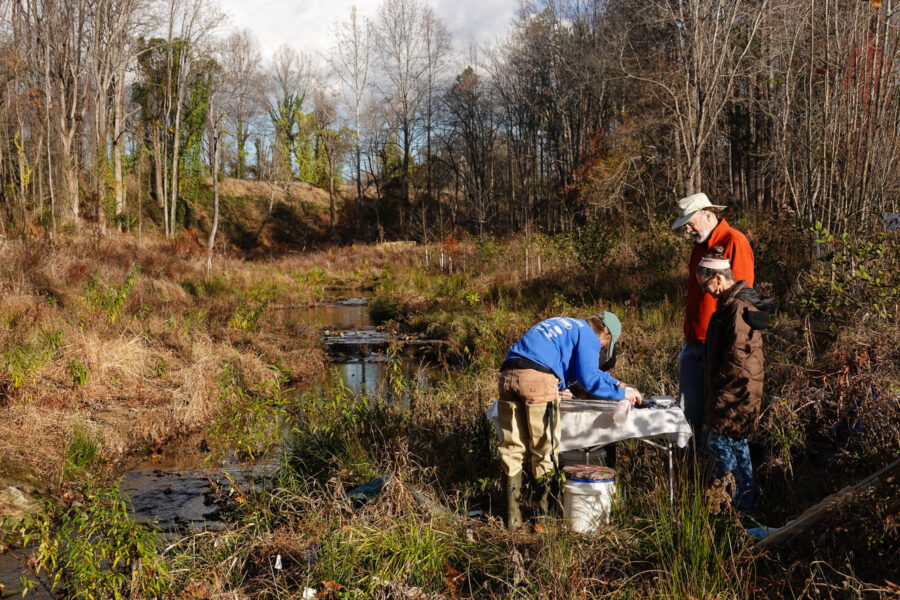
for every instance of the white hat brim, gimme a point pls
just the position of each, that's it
(680, 221)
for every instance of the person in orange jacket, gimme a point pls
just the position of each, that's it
(700, 219)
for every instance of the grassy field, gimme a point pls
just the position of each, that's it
(139, 348)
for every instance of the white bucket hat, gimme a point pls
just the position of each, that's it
(690, 205)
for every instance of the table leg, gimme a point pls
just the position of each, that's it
(671, 487)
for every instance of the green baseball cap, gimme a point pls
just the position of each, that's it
(611, 322)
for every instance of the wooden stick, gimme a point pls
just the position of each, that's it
(815, 513)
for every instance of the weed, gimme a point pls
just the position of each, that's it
(79, 373)
(94, 549)
(81, 452)
(108, 299)
(333, 436)
(404, 551)
(697, 553)
(245, 317)
(314, 276)
(250, 420)
(22, 360)
(212, 287)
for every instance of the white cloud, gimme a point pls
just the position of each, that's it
(307, 25)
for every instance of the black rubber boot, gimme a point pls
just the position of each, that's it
(548, 493)
(513, 498)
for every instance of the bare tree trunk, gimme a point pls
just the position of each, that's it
(48, 105)
(70, 175)
(176, 143)
(159, 170)
(215, 220)
(268, 213)
(118, 142)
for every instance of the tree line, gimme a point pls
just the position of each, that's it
(115, 109)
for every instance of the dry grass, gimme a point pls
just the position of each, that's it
(145, 373)
(295, 190)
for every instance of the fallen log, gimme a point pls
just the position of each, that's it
(817, 512)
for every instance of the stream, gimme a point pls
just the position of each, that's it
(176, 491)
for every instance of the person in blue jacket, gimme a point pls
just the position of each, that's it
(533, 379)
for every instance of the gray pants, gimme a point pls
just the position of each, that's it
(691, 373)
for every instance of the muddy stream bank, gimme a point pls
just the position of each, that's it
(179, 491)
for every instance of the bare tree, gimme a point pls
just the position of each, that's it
(709, 42)
(61, 30)
(436, 48)
(115, 26)
(241, 62)
(837, 111)
(350, 61)
(289, 78)
(223, 95)
(401, 43)
(190, 22)
(332, 141)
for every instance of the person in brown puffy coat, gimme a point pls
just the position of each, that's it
(734, 371)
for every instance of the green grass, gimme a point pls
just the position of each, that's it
(22, 361)
(696, 552)
(81, 452)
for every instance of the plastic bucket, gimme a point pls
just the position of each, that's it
(587, 503)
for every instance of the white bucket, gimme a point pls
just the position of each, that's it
(587, 503)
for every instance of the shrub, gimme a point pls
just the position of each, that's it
(106, 298)
(94, 549)
(382, 310)
(853, 276)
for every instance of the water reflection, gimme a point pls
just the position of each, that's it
(177, 494)
(349, 313)
(371, 375)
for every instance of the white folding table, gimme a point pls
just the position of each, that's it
(588, 425)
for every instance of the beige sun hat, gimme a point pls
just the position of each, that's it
(690, 205)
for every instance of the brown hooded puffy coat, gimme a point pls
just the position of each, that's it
(734, 364)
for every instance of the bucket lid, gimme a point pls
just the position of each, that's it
(589, 473)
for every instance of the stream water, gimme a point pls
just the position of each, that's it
(176, 491)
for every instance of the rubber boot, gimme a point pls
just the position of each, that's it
(513, 497)
(548, 488)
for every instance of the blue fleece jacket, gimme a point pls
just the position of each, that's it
(571, 349)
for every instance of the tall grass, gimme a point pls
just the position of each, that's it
(696, 552)
(82, 451)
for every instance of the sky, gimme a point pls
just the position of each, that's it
(307, 25)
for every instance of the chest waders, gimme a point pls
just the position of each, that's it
(548, 486)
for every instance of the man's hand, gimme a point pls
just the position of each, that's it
(566, 395)
(633, 395)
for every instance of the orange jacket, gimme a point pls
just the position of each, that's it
(700, 306)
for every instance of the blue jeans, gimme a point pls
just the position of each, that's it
(733, 456)
(691, 383)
